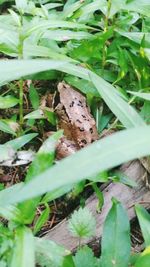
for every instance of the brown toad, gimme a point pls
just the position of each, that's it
(74, 116)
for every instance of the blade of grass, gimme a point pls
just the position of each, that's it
(106, 153)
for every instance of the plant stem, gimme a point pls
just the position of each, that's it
(105, 30)
(20, 56)
(21, 101)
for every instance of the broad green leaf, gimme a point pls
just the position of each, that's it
(11, 190)
(43, 218)
(8, 101)
(106, 153)
(23, 252)
(14, 69)
(145, 96)
(144, 221)
(116, 238)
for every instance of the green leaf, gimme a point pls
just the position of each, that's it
(116, 238)
(51, 116)
(120, 177)
(68, 261)
(56, 193)
(21, 141)
(145, 96)
(85, 256)
(107, 153)
(55, 24)
(23, 253)
(142, 7)
(9, 41)
(5, 127)
(136, 36)
(65, 35)
(8, 101)
(36, 114)
(15, 69)
(84, 86)
(117, 105)
(15, 17)
(99, 195)
(43, 218)
(144, 259)
(41, 51)
(82, 224)
(92, 7)
(144, 221)
(21, 5)
(34, 97)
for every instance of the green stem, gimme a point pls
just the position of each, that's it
(20, 56)
(21, 101)
(105, 30)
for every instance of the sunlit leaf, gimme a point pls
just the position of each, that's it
(106, 153)
(116, 238)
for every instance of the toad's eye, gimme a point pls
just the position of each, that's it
(91, 130)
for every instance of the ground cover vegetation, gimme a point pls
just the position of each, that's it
(102, 49)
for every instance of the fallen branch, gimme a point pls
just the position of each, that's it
(128, 196)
